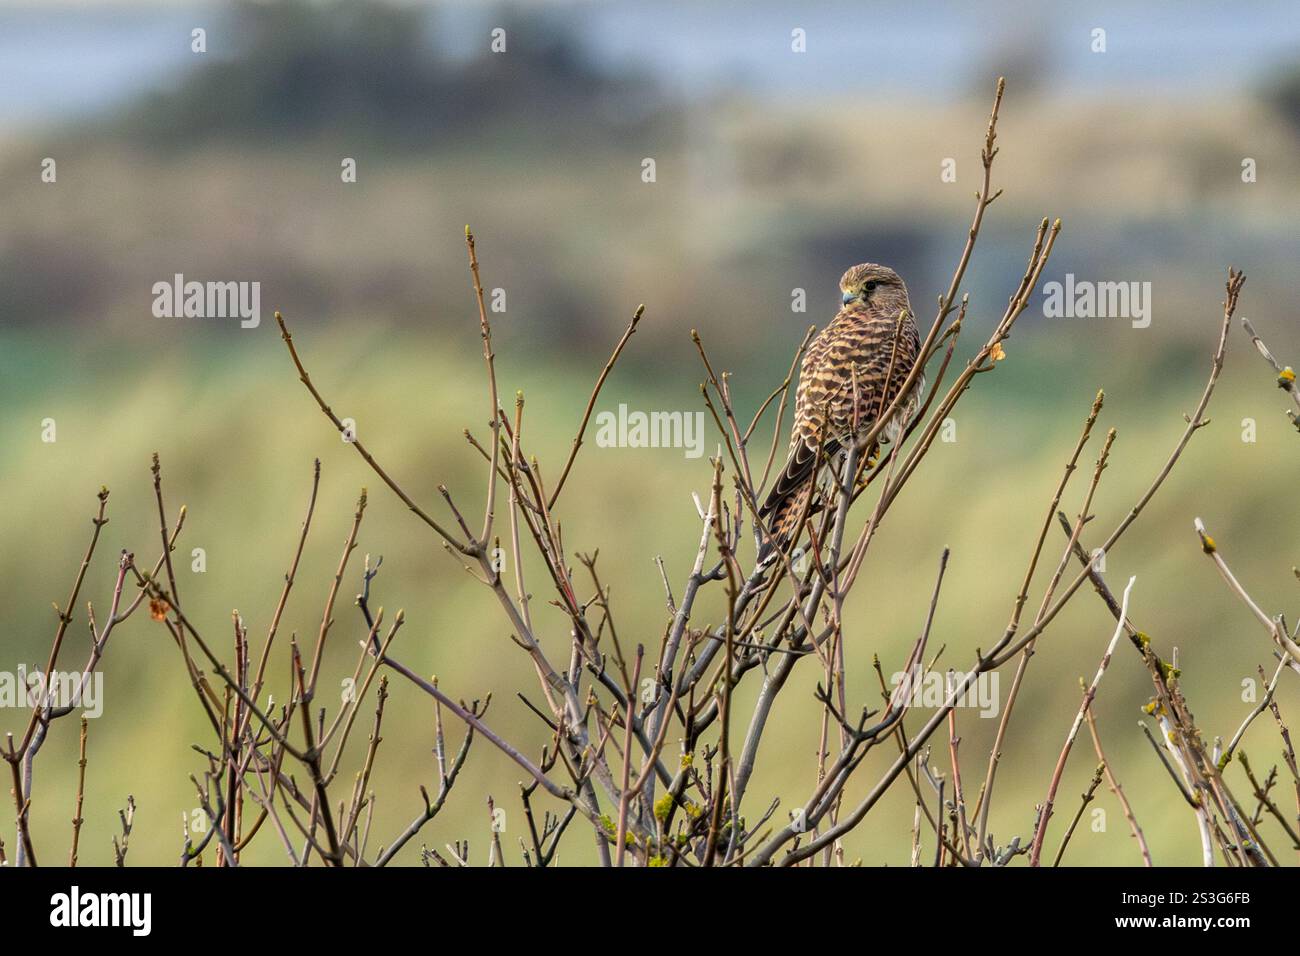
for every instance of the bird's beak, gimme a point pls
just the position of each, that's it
(848, 297)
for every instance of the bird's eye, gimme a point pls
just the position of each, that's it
(870, 286)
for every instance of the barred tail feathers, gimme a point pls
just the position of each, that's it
(783, 516)
(787, 503)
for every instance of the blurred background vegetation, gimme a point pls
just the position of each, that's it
(775, 171)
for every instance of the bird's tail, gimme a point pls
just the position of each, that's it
(783, 513)
(788, 503)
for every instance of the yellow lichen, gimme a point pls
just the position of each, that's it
(663, 806)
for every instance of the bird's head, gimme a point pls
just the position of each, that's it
(876, 287)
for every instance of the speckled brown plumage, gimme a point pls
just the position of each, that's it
(849, 359)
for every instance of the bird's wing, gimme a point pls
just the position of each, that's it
(799, 468)
(806, 428)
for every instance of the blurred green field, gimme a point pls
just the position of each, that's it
(237, 434)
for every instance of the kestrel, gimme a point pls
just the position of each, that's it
(842, 384)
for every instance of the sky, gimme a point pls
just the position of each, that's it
(61, 60)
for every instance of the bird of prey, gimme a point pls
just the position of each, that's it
(843, 387)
